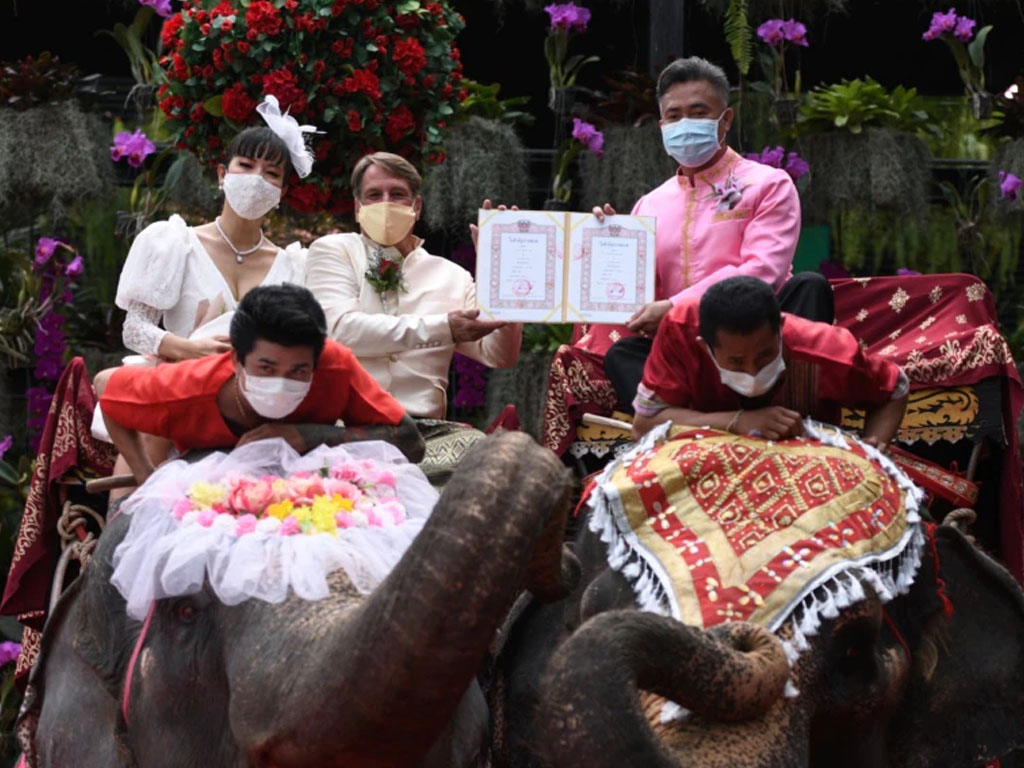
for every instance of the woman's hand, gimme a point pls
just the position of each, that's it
(174, 348)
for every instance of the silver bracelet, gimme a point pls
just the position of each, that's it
(734, 420)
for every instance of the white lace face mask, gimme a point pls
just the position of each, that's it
(250, 195)
(273, 397)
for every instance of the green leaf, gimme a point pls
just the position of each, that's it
(738, 35)
(976, 48)
(8, 475)
(841, 120)
(329, 114)
(444, 109)
(371, 47)
(408, 6)
(213, 105)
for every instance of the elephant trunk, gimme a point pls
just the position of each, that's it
(385, 677)
(592, 716)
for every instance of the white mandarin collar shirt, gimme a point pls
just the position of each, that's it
(404, 341)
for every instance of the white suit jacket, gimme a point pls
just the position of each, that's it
(405, 343)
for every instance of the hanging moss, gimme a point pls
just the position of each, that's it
(876, 169)
(50, 157)
(485, 159)
(634, 162)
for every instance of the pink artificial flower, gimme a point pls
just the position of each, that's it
(383, 477)
(342, 488)
(1009, 186)
(305, 489)
(373, 519)
(394, 510)
(289, 526)
(345, 471)
(45, 248)
(206, 517)
(245, 524)
(344, 520)
(181, 508)
(249, 495)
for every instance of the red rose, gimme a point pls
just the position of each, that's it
(428, 81)
(341, 203)
(252, 35)
(204, 29)
(446, 92)
(218, 59)
(408, 21)
(223, 9)
(463, 94)
(437, 157)
(170, 29)
(263, 17)
(171, 105)
(410, 81)
(201, 17)
(282, 84)
(362, 81)
(207, 71)
(323, 149)
(214, 142)
(189, 131)
(305, 198)
(227, 25)
(399, 123)
(290, 5)
(318, 70)
(198, 112)
(243, 47)
(305, 22)
(381, 41)
(355, 121)
(181, 70)
(236, 103)
(409, 56)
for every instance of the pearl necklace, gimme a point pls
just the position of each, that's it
(239, 255)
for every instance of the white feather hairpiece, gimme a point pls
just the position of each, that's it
(291, 133)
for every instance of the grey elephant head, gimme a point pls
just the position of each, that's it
(349, 680)
(905, 685)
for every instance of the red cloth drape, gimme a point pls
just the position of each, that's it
(66, 444)
(943, 330)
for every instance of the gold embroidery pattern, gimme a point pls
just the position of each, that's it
(569, 383)
(733, 215)
(986, 347)
(899, 300)
(943, 413)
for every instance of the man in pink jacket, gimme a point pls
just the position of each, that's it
(719, 216)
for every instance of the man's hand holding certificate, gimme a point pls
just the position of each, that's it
(559, 267)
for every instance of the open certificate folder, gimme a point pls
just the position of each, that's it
(562, 267)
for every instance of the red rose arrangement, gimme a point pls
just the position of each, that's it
(372, 75)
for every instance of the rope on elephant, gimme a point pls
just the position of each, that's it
(711, 527)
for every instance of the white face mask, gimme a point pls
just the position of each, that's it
(752, 386)
(273, 397)
(250, 195)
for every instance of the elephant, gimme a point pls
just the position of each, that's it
(932, 678)
(385, 679)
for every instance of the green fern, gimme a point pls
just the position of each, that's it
(738, 35)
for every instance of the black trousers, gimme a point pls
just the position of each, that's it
(806, 294)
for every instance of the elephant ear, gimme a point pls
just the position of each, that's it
(964, 703)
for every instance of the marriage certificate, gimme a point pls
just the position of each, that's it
(563, 267)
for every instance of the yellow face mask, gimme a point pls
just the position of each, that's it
(387, 223)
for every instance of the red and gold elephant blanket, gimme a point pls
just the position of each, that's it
(711, 527)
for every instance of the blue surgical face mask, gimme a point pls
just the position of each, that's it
(691, 141)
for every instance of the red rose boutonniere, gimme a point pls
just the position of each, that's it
(384, 274)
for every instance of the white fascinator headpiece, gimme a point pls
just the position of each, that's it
(291, 133)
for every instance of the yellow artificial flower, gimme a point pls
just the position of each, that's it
(281, 509)
(303, 516)
(205, 495)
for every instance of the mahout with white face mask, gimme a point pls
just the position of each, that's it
(734, 362)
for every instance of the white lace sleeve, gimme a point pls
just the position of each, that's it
(154, 271)
(142, 333)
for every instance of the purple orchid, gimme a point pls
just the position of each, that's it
(964, 30)
(75, 267)
(9, 652)
(771, 31)
(5, 445)
(588, 135)
(45, 249)
(1009, 186)
(949, 23)
(135, 146)
(568, 16)
(162, 7)
(777, 157)
(776, 31)
(904, 272)
(795, 32)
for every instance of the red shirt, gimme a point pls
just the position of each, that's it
(825, 370)
(179, 400)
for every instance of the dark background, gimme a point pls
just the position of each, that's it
(504, 42)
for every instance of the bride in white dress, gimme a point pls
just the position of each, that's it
(180, 284)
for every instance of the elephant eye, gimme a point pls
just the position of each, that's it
(185, 611)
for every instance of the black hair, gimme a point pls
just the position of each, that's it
(286, 314)
(261, 143)
(738, 305)
(689, 70)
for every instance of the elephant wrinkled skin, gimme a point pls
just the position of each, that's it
(348, 681)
